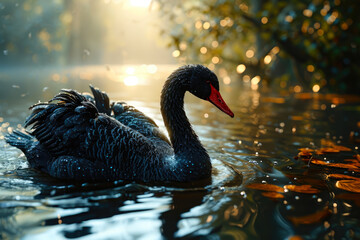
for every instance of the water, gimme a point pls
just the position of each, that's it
(257, 146)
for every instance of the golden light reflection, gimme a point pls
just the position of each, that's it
(203, 50)
(275, 50)
(344, 26)
(323, 12)
(310, 68)
(215, 44)
(246, 78)
(215, 60)
(250, 53)
(211, 66)
(316, 88)
(297, 89)
(267, 59)
(183, 46)
(254, 87)
(307, 12)
(255, 80)
(198, 24)
(289, 18)
(244, 7)
(206, 25)
(240, 68)
(227, 80)
(176, 53)
(264, 20)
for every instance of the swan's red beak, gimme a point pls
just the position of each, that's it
(216, 99)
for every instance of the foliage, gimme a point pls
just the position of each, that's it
(316, 42)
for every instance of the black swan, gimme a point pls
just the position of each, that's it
(89, 139)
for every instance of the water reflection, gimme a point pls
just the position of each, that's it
(259, 146)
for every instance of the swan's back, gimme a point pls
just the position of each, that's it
(70, 125)
(129, 116)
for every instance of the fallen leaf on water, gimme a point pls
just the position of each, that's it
(342, 148)
(266, 187)
(342, 176)
(351, 160)
(327, 150)
(306, 150)
(305, 154)
(311, 218)
(354, 162)
(302, 188)
(349, 185)
(272, 195)
(351, 167)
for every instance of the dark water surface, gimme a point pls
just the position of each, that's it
(257, 146)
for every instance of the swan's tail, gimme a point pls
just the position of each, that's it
(20, 140)
(67, 100)
(102, 100)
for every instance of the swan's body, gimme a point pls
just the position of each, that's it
(77, 138)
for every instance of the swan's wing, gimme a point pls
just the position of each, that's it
(72, 126)
(137, 120)
(128, 115)
(102, 101)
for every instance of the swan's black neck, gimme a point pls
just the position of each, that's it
(187, 147)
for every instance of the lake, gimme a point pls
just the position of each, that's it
(252, 154)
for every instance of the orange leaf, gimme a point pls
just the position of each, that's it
(342, 148)
(265, 187)
(350, 167)
(311, 218)
(329, 150)
(304, 154)
(272, 195)
(341, 176)
(351, 160)
(302, 188)
(306, 150)
(349, 185)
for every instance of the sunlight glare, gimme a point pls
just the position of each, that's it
(130, 70)
(140, 3)
(131, 80)
(152, 68)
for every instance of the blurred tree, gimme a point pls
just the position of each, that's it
(316, 42)
(51, 32)
(30, 32)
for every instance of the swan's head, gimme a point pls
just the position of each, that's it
(204, 84)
